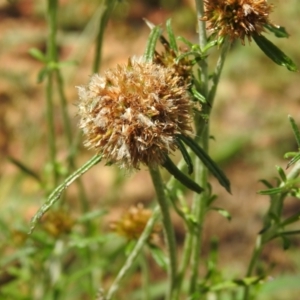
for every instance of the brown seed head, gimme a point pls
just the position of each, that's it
(132, 114)
(237, 18)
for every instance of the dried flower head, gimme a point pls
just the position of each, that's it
(19, 237)
(132, 114)
(132, 224)
(57, 222)
(237, 18)
(168, 59)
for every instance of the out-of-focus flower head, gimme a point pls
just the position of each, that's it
(132, 114)
(132, 224)
(237, 19)
(57, 222)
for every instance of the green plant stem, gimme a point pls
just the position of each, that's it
(202, 135)
(65, 114)
(109, 6)
(52, 58)
(201, 24)
(217, 73)
(134, 253)
(275, 208)
(187, 250)
(202, 44)
(168, 228)
(199, 206)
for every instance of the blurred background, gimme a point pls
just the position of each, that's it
(249, 122)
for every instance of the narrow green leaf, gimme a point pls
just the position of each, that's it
(207, 161)
(151, 43)
(181, 177)
(291, 232)
(265, 228)
(286, 243)
(55, 195)
(185, 156)
(25, 169)
(38, 54)
(211, 199)
(42, 74)
(272, 191)
(198, 96)
(295, 130)
(290, 154)
(159, 256)
(247, 281)
(196, 54)
(281, 173)
(293, 160)
(278, 31)
(286, 188)
(291, 220)
(284, 236)
(274, 53)
(185, 41)
(296, 193)
(223, 212)
(209, 45)
(172, 39)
